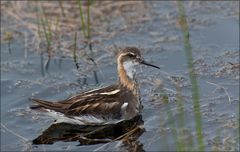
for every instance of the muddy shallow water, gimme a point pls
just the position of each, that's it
(170, 119)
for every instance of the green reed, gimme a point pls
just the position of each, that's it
(86, 23)
(82, 18)
(192, 76)
(45, 24)
(89, 23)
(47, 29)
(172, 123)
(170, 119)
(180, 108)
(87, 32)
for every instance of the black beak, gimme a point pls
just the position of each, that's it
(148, 64)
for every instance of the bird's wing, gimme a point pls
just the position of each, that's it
(97, 102)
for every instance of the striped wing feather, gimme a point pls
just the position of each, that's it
(99, 102)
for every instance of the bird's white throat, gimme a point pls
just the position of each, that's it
(129, 67)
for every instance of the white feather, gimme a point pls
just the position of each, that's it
(124, 106)
(80, 120)
(111, 92)
(129, 67)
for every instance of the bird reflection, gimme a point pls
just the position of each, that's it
(127, 131)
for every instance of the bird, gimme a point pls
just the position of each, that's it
(108, 105)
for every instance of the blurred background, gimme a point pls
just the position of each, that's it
(54, 49)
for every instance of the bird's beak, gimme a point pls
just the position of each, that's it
(148, 64)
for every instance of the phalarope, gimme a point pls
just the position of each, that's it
(117, 102)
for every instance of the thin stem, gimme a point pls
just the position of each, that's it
(82, 18)
(88, 16)
(192, 76)
(74, 50)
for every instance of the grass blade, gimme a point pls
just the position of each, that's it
(192, 75)
(88, 17)
(82, 18)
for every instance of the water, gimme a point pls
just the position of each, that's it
(170, 122)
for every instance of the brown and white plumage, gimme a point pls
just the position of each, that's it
(105, 105)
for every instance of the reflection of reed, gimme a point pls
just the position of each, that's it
(192, 75)
(127, 131)
(42, 65)
(74, 51)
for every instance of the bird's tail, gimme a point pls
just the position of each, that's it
(42, 104)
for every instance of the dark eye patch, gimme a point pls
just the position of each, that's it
(131, 55)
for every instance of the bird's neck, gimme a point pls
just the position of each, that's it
(127, 76)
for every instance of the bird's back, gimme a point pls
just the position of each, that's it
(107, 104)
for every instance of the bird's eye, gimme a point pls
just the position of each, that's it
(131, 55)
